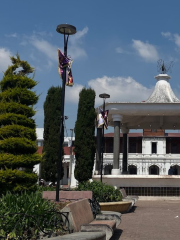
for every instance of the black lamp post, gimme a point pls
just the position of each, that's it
(66, 30)
(104, 96)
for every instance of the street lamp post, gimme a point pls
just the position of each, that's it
(66, 30)
(104, 96)
(71, 158)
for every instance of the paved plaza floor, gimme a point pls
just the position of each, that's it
(151, 220)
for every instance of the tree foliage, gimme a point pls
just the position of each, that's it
(52, 115)
(84, 132)
(17, 132)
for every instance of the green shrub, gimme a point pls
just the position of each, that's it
(45, 188)
(16, 119)
(101, 191)
(17, 108)
(24, 216)
(16, 161)
(17, 181)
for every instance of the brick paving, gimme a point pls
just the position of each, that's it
(150, 220)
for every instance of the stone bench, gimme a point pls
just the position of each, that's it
(81, 219)
(128, 197)
(78, 195)
(82, 236)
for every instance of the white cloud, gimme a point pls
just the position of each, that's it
(11, 35)
(173, 37)
(72, 93)
(177, 39)
(75, 49)
(76, 52)
(166, 34)
(120, 89)
(45, 47)
(145, 50)
(78, 36)
(119, 50)
(4, 59)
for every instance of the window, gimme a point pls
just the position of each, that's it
(132, 169)
(39, 143)
(132, 147)
(174, 148)
(154, 170)
(65, 144)
(154, 147)
(67, 172)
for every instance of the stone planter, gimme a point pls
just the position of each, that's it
(121, 207)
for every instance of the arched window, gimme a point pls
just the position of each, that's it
(154, 170)
(176, 170)
(107, 169)
(132, 169)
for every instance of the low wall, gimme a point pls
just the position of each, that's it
(140, 180)
(67, 195)
(144, 185)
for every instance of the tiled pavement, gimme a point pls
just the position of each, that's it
(151, 220)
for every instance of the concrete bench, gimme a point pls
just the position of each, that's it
(67, 195)
(82, 236)
(78, 195)
(81, 218)
(128, 197)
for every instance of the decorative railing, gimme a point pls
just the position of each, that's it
(95, 207)
(24, 226)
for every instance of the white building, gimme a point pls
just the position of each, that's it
(137, 160)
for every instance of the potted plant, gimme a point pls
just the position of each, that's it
(109, 198)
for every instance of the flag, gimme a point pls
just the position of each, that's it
(62, 63)
(100, 121)
(102, 118)
(70, 143)
(105, 118)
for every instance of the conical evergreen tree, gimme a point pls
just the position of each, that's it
(52, 114)
(84, 132)
(17, 128)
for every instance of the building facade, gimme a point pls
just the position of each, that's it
(152, 152)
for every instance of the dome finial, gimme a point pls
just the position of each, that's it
(164, 68)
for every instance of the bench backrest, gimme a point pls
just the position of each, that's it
(67, 195)
(79, 213)
(123, 192)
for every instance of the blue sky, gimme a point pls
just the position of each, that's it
(115, 50)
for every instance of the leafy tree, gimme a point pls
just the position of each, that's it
(84, 132)
(52, 114)
(18, 129)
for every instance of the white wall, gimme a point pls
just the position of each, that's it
(147, 145)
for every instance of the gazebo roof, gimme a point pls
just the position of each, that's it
(162, 92)
(160, 111)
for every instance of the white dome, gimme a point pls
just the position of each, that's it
(162, 92)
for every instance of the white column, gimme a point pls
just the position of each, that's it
(125, 132)
(117, 118)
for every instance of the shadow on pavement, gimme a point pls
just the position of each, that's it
(116, 235)
(131, 210)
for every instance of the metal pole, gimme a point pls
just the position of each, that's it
(70, 166)
(102, 146)
(61, 123)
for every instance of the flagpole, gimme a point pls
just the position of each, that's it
(104, 96)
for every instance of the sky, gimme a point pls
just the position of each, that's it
(115, 49)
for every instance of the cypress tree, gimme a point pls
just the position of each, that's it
(52, 114)
(84, 132)
(17, 128)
